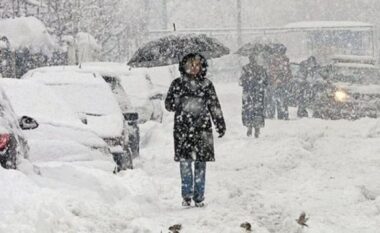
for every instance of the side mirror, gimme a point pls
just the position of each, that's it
(131, 116)
(27, 123)
(82, 117)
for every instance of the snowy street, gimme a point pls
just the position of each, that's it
(328, 169)
(178, 116)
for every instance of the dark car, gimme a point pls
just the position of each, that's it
(13, 145)
(353, 91)
(342, 91)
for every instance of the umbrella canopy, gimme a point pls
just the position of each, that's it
(257, 48)
(170, 49)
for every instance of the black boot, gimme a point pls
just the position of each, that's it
(257, 132)
(249, 131)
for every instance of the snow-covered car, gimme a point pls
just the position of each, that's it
(137, 86)
(112, 73)
(111, 76)
(13, 144)
(91, 97)
(346, 91)
(354, 93)
(60, 131)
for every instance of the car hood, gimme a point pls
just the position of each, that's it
(61, 150)
(55, 131)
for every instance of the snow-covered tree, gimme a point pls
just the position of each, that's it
(117, 25)
(17, 8)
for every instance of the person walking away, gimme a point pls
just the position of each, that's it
(279, 75)
(194, 100)
(306, 75)
(254, 80)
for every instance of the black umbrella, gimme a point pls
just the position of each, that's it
(251, 48)
(170, 49)
(257, 48)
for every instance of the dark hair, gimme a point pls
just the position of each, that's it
(189, 56)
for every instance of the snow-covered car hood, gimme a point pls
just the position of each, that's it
(54, 142)
(55, 131)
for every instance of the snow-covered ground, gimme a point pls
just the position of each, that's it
(329, 169)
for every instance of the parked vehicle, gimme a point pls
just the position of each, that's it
(142, 94)
(112, 77)
(13, 144)
(90, 96)
(346, 90)
(60, 135)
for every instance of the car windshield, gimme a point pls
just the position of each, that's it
(90, 99)
(84, 92)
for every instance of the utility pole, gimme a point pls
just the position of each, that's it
(239, 24)
(164, 14)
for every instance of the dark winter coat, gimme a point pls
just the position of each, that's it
(279, 71)
(307, 75)
(195, 104)
(254, 80)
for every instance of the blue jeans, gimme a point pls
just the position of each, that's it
(193, 187)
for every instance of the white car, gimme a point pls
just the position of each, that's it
(138, 88)
(60, 134)
(111, 76)
(91, 97)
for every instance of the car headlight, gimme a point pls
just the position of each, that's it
(341, 96)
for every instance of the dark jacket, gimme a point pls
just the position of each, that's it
(279, 71)
(254, 80)
(195, 104)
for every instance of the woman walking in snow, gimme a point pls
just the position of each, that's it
(193, 99)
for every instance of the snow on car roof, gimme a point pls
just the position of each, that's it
(28, 32)
(106, 68)
(355, 65)
(86, 92)
(328, 25)
(38, 101)
(354, 57)
(62, 75)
